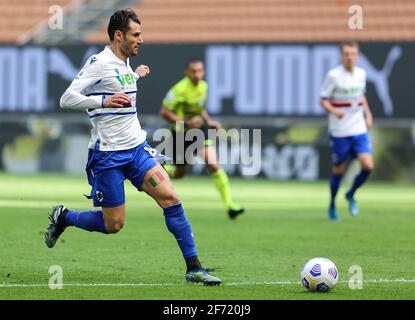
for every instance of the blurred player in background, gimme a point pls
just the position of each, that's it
(343, 96)
(184, 107)
(106, 88)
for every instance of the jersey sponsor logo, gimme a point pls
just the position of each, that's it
(126, 79)
(349, 91)
(93, 59)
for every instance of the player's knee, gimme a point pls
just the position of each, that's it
(213, 167)
(114, 226)
(339, 170)
(169, 199)
(369, 167)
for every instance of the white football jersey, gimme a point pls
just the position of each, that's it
(346, 90)
(103, 75)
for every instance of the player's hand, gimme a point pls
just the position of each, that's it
(339, 113)
(214, 125)
(117, 100)
(143, 70)
(194, 122)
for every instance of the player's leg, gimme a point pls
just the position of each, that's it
(362, 148)
(340, 150)
(107, 192)
(106, 220)
(149, 176)
(220, 179)
(114, 218)
(61, 218)
(158, 185)
(335, 181)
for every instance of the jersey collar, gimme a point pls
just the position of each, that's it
(108, 48)
(347, 71)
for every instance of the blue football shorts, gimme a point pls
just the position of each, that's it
(345, 148)
(107, 170)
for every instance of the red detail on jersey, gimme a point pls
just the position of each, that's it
(344, 104)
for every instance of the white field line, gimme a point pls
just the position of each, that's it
(34, 285)
(188, 204)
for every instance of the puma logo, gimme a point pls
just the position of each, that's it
(380, 77)
(60, 64)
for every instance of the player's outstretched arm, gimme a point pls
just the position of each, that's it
(73, 97)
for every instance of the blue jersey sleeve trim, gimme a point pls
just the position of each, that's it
(112, 114)
(107, 93)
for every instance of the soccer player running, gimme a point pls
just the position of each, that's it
(106, 88)
(184, 107)
(343, 96)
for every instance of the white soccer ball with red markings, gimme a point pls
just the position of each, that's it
(319, 275)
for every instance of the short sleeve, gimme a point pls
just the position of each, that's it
(328, 86)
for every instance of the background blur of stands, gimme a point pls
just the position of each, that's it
(265, 62)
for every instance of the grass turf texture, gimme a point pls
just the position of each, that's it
(258, 256)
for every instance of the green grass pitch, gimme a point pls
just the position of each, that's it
(258, 256)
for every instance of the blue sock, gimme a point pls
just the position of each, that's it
(87, 220)
(335, 180)
(358, 182)
(178, 224)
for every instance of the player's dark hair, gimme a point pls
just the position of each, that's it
(349, 44)
(120, 21)
(193, 60)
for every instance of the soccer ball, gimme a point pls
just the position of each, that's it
(319, 275)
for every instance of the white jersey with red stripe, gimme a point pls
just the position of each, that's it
(345, 90)
(103, 75)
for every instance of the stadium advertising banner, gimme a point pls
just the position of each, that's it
(248, 81)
